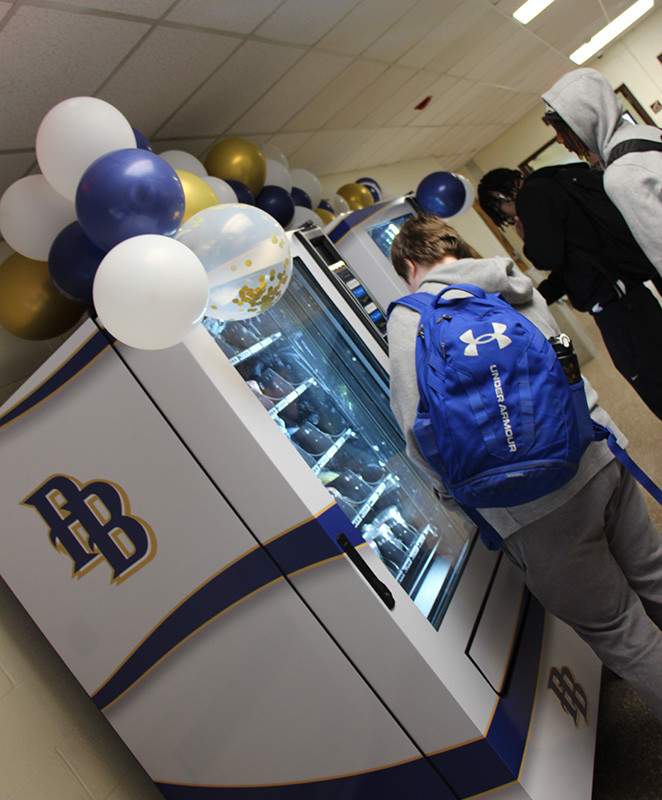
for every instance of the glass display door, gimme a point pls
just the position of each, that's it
(319, 382)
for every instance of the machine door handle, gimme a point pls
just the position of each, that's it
(381, 588)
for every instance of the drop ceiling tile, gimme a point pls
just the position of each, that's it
(232, 90)
(424, 49)
(294, 22)
(497, 36)
(499, 56)
(4, 8)
(400, 109)
(333, 97)
(74, 56)
(137, 88)
(362, 26)
(442, 91)
(314, 148)
(460, 18)
(289, 144)
(293, 91)
(153, 9)
(372, 97)
(376, 147)
(238, 16)
(464, 37)
(339, 157)
(408, 30)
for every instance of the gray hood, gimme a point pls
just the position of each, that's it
(585, 100)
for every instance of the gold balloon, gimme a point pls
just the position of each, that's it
(198, 195)
(238, 160)
(357, 195)
(325, 215)
(31, 306)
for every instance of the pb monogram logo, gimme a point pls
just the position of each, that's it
(92, 523)
(571, 694)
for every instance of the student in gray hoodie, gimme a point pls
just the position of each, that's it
(589, 550)
(584, 102)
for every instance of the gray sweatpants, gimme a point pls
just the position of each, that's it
(596, 563)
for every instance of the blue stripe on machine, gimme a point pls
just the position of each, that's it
(304, 546)
(352, 220)
(409, 780)
(496, 759)
(230, 586)
(473, 768)
(77, 362)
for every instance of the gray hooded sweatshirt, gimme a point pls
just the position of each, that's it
(493, 275)
(585, 100)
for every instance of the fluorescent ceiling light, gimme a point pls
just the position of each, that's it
(531, 9)
(611, 31)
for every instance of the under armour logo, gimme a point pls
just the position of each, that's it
(91, 524)
(571, 694)
(472, 341)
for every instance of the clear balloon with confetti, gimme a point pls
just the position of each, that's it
(246, 254)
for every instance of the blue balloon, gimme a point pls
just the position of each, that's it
(327, 206)
(127, 193)
(301, 198)
(142, 141)
(72, 263)
(441, 194)
(277, 202)
(244, 194)
(374, 188)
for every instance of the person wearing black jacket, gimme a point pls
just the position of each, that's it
(602, 271)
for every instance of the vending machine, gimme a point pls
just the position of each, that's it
(228, 547)
(364, 239)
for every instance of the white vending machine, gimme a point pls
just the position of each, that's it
(227, 546)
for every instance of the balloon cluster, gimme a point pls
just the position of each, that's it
(152, 242)
(445, 194)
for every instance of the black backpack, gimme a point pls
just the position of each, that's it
(621, 257)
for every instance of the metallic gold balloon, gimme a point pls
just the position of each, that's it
(325, 215)
(197, 193)
(31, 306)
(238, 160)
(357, 195)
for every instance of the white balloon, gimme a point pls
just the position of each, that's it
(150, 291)
(246, 254)
(32, 214)
(273, 153)
(470, 194)
(223, 191)
(340, 205)
(305, 180)
(73, 134)
(303, 215)
(178, 159)
(277, 175)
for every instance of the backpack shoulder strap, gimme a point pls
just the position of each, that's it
(633, 146)
(419, 301)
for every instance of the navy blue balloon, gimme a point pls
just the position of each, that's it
(141, 140)
(73, 261)
(301, 198)
(277, 202)
(327, 206)
(244, 194)
(374, 188)
(128, 193)
(441, 193)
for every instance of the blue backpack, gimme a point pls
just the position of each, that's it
(497, 420)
